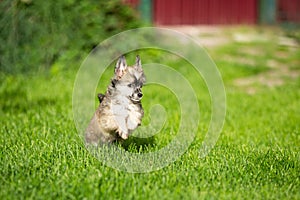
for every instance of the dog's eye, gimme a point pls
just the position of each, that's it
(129, 85)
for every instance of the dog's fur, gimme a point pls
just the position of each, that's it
(120, 110)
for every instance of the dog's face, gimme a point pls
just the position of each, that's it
(129, 80)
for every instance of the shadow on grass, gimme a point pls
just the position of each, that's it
(138, 145)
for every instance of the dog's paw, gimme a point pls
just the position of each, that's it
(124, 135)
(100, 97)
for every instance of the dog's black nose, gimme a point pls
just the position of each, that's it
(140, 95)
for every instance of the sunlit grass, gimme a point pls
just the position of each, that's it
(256, 157)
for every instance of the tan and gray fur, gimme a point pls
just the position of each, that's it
(120, 110)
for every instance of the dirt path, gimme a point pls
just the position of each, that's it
(283, 63)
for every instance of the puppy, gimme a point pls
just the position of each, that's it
(120, 110)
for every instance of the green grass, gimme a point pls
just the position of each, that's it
(256, 157)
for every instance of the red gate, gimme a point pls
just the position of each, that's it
(168, 12)
(288, 11)
(177, 12)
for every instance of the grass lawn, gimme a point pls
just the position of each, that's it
(257, 155)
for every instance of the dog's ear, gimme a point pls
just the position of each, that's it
(120, 67)
(138, 62)
(138, 67)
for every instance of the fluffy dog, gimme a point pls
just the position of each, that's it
(120, 110)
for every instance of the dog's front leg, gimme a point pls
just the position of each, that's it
(122, 128)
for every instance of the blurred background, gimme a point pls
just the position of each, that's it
(39, 35)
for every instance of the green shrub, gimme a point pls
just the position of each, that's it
(36, 34)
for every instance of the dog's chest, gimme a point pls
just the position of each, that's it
(124, 107)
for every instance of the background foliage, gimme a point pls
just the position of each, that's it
(37, 35)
